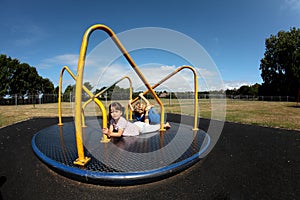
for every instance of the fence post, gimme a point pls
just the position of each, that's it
(16, 99)
(170, 98)
(106, 99)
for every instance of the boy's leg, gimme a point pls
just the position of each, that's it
(154, 117)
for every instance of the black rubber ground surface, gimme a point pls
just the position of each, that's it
(248, 162)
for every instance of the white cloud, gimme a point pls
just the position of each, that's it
(101, 73)
(293, 5)
(154, 73)
(167, 68)
(69, 60)
(235, 84)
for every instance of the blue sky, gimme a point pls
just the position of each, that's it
(48, 34)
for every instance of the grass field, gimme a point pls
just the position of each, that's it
(271, 114)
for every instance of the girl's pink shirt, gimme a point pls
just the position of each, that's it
(129, 129)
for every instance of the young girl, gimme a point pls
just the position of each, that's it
(119, 126)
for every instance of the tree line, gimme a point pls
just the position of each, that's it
(21, 79)
(280, 72)
(280, 67)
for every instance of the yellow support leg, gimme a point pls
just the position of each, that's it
(82, 162)
(104, 139)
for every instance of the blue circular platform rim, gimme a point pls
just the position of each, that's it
(119, 178)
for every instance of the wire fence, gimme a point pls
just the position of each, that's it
(53, 98)
(260, 98)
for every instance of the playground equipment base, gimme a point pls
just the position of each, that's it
(121, 161)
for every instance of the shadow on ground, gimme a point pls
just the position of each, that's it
(248, 162)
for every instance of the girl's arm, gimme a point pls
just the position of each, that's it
(146, 116)
(130, 106)
(148, 104)
(146, 100)
(109, 132)
(117, 134)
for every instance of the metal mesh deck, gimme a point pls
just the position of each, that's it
(122, 161)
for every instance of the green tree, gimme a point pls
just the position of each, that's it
(88, 85)
(254, 89)
(230, 91)
(117, 93)
(56, 90)
(243, 90)
(68, 92)
(7, 66)
(249, 90)
(25, 80)
(100, 90)
(48, 87)
(280, 67)
(21, 79)
(85, 96)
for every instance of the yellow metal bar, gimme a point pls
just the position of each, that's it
(59, 97)
(60, 92)
(195, 90)
(83, 120)
(84, 88)
(78, 91)
(86, 103)
(100, 105)
(79, 79)
(81, 160)
(137, 70)
(104, 90)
